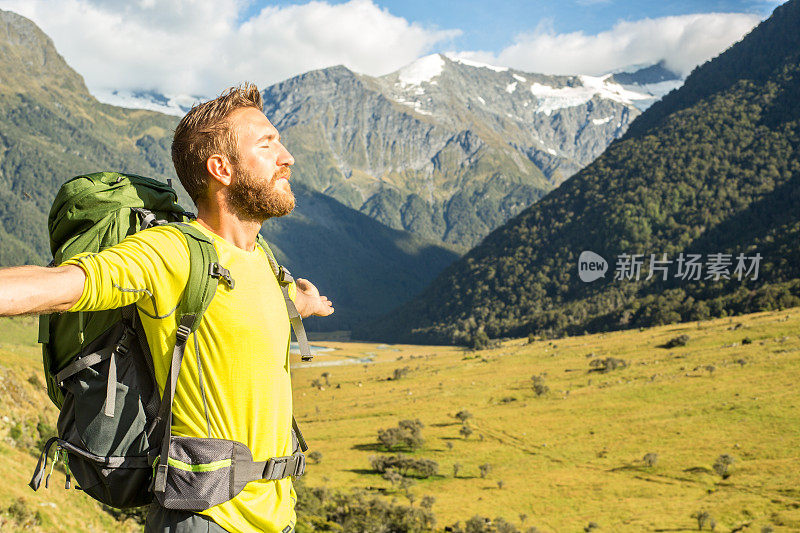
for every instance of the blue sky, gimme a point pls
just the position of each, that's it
(200, 47)
(490, 25)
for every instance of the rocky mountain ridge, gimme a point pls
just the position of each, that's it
(446, 148)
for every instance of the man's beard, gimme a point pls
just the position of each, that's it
(253, 199)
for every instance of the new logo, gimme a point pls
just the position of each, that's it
(591, 266)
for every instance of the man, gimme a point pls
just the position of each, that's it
(234, 382)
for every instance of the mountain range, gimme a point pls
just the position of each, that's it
(445, 148)
(709, 173)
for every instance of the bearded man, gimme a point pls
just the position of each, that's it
(234, 381)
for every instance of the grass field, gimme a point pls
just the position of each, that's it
(560, 460)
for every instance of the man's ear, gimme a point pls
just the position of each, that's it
(220, 168)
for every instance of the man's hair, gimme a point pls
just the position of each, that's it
(205, 131)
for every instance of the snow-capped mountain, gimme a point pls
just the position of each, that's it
(653, 80)
(176, 105)
(445, 147)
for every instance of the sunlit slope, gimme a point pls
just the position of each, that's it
(571, 456)
(575, 454)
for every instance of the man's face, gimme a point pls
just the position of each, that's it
(260, 187)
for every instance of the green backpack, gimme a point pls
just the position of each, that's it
(114, 430)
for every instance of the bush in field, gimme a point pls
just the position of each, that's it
(606, 365)
(322, 509)
(427, 502)
(480, 524)
(400, 373)
(463, 415)
(485, 469)
(22, 516)
(723, 464)
(650, 459)
(465, 431)
(407, 434)
(479, 340)
(404, 465)
(539, 386)
(680, 340)
(704, 519)
(315, 457)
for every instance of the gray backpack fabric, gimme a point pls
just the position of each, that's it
(114, 430)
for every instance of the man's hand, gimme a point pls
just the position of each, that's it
(308, 300)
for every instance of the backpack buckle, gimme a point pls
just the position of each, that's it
(182, 334)
(284, 276)
(215, 270)
(300, 465)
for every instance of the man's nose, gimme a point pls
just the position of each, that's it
(284, 157)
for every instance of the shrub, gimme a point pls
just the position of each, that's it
(400, 373)
(465, 431)
(485, 469)
(16, 433)
(680, 340)
(22, 516)
(480, 524)
(392, 476)
(650, 459)
(723, 464)
(539, 386)
(606, 365)
(321, 509)
(702, 518)
(404, 465)
(479, 340)
(463, 415)
(315, 457)
(408, 434)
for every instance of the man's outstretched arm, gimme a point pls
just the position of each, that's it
(37, 290)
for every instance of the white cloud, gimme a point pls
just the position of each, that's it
(203, 46)
(683, 42)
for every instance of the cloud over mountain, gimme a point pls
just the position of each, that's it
(201, 47)
(682, 42)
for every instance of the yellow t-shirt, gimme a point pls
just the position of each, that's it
(243, 356)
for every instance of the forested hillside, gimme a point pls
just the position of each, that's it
(712, 169)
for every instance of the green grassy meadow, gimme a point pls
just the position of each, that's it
(560, 460)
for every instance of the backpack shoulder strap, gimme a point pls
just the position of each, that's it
(200, 289)
(203, 269)
(284, 280)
